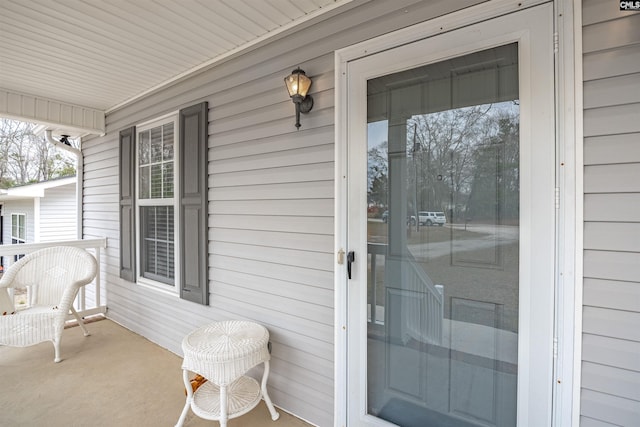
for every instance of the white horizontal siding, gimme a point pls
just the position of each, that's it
(607, 236)
(273, 144)
(611, 120)
(611, 294)
(611, 313)
(610, 63)
(309, 241)
(281, 191)
(611, 380)
(595, 11)
(590, 422)
(271, 202)
(18, 207)
(611, 352)
(616, 90)
(623, 266)
(284, 174)
(611, 34)
(302, 275)
(58, 213)
(294, 156)
(614, 178)
(322, 297)
(284, 207)
(612, 323)
(618, 411)
(283, 223)
(612, 149)
(290, 257)
(624, 207)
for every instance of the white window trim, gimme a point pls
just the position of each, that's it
(20, 240)
(141, 280)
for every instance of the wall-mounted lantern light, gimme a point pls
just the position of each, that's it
(298, 85)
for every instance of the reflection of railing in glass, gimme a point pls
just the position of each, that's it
(423, 311)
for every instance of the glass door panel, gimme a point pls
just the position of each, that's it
(443, 191)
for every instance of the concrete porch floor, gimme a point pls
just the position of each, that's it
(114, 377)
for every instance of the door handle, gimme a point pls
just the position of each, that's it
(351, 258)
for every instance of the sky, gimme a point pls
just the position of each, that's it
(377, 133)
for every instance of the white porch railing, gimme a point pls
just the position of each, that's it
(423, 301)
(91, 298)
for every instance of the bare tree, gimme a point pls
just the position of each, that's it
(496, 174)
(442, 149)
(19, 160)
(378, 170)
(27, 158)
(5, 149)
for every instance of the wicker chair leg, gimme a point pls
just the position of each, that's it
(56, 347)
(80, 322)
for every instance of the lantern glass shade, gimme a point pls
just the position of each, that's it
(297, 83)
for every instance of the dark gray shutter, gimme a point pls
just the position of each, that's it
(127, 204)
(193, 245)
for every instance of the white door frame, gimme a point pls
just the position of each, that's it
(568, 89)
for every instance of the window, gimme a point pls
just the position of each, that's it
(156, 201)
(18, 230)
(163, 203)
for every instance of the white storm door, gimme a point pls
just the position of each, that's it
(450, 321)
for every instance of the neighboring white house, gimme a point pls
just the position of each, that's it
(40, 212)
(524, 311)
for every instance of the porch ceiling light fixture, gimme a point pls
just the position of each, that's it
(298, 85)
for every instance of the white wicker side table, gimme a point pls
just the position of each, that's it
(223, 352)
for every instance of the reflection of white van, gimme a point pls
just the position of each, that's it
(432, 218)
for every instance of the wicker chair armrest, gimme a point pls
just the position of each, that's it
(9, 274)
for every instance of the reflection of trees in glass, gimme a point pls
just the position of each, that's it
(442, 148)
(464, 161)
(167, 141)
(495, 190)
(377, 176)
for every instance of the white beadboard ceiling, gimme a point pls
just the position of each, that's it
(101, 54)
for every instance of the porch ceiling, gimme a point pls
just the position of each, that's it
(101, 54)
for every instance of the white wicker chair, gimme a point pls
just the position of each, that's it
(54, 275)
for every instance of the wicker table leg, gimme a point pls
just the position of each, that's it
(187, 384)
(274, 414)
(224, 415)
